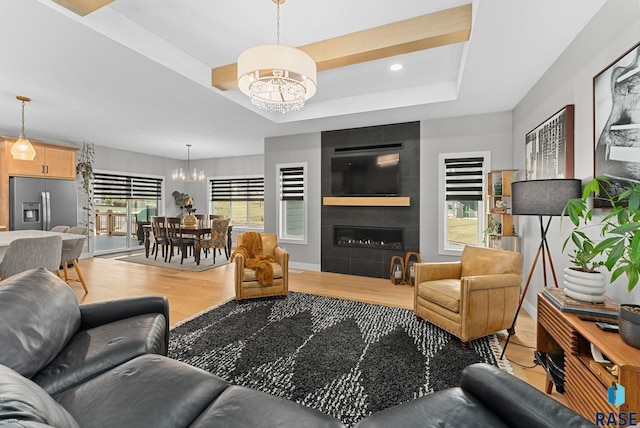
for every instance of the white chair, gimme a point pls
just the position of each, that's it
(30, 253)
(71, 250)
(61, 229)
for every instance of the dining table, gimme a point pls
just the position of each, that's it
(196, 231)
(9, 236)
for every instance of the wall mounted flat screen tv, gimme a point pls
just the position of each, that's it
(365, 175)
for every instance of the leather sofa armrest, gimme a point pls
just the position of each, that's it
(239, 273)
(485, 282)
(282, 257)
(434, 271)
(238, 259)
(514, 401)
(100, 313)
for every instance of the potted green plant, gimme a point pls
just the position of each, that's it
(180, 199)
(84, 169)
(620, 243)
(582, 280)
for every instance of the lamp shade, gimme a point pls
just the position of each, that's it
(543, 197)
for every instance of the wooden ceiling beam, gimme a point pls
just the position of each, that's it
(83, 7)
(411, 35)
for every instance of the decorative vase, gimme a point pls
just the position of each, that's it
(584, 286)
(497, 188)
(190, 220)
(629, 323)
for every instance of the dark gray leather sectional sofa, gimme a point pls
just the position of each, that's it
(105, 365)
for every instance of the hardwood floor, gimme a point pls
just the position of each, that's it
(190, 293)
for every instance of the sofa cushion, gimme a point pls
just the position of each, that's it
(442, 292)
(250, 274)
(450, 408)
(148, 391)
(21, 400)
(239, 407)
(39, 314)
(96, 350)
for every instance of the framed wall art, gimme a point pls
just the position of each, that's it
(549, 147)
(616, 122)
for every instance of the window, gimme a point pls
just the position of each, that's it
(239, 198)
(292, 210)
(462, 190)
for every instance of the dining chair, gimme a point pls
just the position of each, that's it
(202, 220)
(61, 229)
(30, 253)
(71, 250)
(211, 217)
(218, 238)
(176, 238)
(160, 237)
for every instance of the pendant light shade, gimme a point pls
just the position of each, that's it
(277, 78)
(22, 149)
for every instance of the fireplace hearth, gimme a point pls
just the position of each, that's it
(368, 237)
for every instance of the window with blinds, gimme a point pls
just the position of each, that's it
(464, 179)
(292, 210)
(462, 184)
(237, 189)
(116, 186)
(239, 198)
(292, 183)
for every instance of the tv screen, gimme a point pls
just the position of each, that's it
(365, 175)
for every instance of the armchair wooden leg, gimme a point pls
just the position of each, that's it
(465, 344)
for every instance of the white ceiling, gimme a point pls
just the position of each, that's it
(136, 74)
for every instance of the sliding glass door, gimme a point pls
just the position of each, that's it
(123, 205)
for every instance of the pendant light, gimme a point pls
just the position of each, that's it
(277, 78)
(22, 149)
(191, 175)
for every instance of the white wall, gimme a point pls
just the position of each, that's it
(291, 149)
(483, 132)
(613, 31)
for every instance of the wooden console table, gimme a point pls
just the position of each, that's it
(584, 391)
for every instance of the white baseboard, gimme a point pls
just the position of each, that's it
(304, 266)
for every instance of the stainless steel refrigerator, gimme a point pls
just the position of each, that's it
(40, 203)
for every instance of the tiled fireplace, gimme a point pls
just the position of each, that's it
(361, 240)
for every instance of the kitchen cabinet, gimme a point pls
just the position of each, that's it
(51, 161)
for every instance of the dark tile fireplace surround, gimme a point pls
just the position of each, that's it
(361, 240)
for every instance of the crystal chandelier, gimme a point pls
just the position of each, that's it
(190, 175)
(22, 149)
(277, 78)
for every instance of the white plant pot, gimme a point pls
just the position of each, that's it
(585, 286)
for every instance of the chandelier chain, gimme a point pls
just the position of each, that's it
(22, 131)
(278, 22)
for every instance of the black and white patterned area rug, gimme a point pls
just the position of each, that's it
(347, 359)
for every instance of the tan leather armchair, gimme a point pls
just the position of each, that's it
(246, 284)
(473, 297)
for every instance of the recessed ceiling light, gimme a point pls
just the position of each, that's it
(396, 67)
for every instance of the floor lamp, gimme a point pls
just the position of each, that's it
(541, 198)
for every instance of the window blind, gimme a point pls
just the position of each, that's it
(237, 189)
(464, 179)
(292, 183)
(117, 186)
